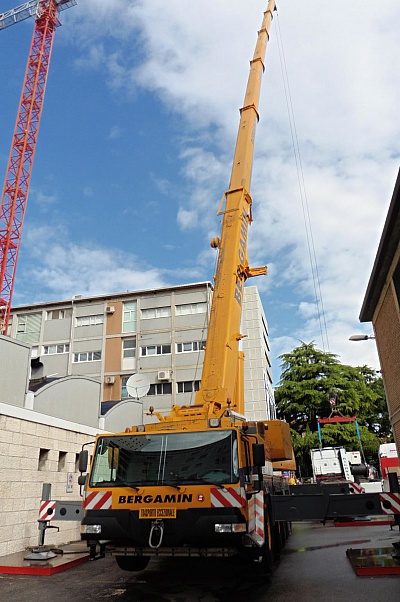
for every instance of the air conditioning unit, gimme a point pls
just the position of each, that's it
(110, 309)
(164, 375)
(109, 380)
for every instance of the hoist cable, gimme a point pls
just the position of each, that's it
(303, 196)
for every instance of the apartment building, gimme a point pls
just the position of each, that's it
(157, 334)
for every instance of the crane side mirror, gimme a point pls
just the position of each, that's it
(83, 460)
(258, 455)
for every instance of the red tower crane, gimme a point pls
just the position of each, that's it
(20, 161)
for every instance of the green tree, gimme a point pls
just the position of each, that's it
(310, 379)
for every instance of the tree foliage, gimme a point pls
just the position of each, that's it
(309, 379)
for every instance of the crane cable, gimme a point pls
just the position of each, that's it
(303, 195)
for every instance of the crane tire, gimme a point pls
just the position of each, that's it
(132, 563)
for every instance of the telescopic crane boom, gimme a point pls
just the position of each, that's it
(222, 377)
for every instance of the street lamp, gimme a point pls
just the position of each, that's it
(361, 337)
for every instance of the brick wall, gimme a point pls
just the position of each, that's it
(36, 449)
(387, 331)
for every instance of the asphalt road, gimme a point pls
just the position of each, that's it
(314, 568)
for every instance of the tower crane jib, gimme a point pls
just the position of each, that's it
(32, 8)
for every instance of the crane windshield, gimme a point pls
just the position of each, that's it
(188, 458)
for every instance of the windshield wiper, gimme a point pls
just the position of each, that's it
(169, 484)
(205, 482)
(124, 484)
(131, 486)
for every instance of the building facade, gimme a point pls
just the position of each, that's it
(158, 335)
(382, 307)
(258, 391)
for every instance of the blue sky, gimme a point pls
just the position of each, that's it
(137, 137)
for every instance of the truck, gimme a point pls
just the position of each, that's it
(330, 463)
(199, 481)
(335, 464)
(388, 462)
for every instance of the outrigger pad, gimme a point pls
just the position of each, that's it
(374, 561)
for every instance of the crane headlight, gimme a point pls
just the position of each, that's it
(93, 529)
(230, 527)
(214, 423)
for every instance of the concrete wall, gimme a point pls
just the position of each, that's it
(125, 414)
(14, 370)
(73, 398)
(23, 434)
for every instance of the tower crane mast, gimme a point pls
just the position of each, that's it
(20, 161)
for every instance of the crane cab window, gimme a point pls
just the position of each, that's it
(152, 459)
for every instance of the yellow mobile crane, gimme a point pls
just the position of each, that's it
(199, 482)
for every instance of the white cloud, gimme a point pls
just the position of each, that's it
(114, 133)
(68, 269)
(44, 200)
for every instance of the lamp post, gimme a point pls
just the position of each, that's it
(363, 337)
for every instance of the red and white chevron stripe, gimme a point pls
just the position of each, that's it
(256, 526)
(390, 503)
(229, 497)
(356, 488)
(47, 510)
(98, 500)
(259, 507)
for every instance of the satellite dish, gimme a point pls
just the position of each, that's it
(138, 385)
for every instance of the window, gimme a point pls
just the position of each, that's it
(87, 356)
(43, 458)
(264, 324)
(129, 317)
(22, 324)
(89, 320)
(190, 308)
(192, 346)
(129, 348)
(396, 281)
(155, 350)
(160, 389)
(58, 314)
(124, 392)
(188, 386)
(28, 327)
(156, 312)
(62, 459)
(151, 459)
(53, 349)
